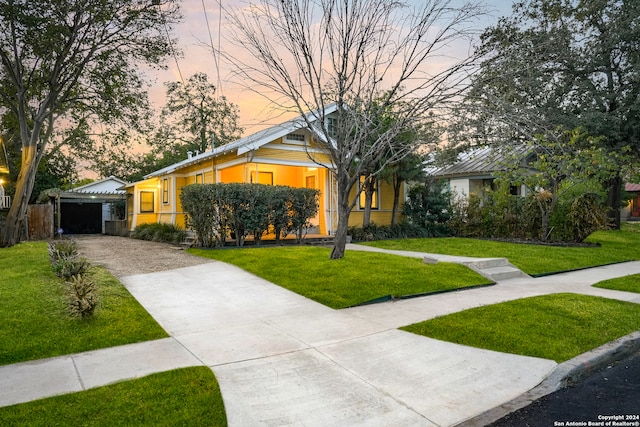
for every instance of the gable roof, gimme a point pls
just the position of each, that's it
(109, 185)
(251, 142)
(477, 161)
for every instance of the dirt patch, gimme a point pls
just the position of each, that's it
(124, 256)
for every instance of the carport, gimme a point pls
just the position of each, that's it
(86, 209)
(86, 213)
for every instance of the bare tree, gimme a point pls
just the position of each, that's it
(366, 57)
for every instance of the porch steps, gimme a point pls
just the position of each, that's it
(189, 240)
(496, 269)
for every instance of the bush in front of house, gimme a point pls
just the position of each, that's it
(68, 265)
(216, 211)
(428, 208)
(497, 214)
(82, 298)
(403, 230)
(155, 232)
(64, 258)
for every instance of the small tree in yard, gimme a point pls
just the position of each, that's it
(73, 61)
(555, 166)
(369, 59)
(429, 207)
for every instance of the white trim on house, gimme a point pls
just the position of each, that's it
(251, 142)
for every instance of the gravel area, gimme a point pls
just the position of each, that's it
(124, 256)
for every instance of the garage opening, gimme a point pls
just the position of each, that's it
(81, 218)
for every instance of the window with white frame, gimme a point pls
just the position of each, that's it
(363, 197)
(165, 191)
(147, 204)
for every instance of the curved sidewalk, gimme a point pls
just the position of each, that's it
(281, 359)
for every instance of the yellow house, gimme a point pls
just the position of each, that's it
(285, 154)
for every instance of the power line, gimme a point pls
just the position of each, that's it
(216, 59)
(173, 51)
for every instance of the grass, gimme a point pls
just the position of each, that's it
(357, 278)
(557, 327)
(629, 283)
(181, 397)
(35, 319)
(616, 246)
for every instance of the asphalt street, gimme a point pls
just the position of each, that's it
(610, 397)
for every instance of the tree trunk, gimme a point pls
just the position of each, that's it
(24, 186)
(343, 218)
(614, 200)
(341, 234)
(397, 183)
(369, 188)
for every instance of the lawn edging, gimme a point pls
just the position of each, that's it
(564, 374)
(387, 298)
(553, 273)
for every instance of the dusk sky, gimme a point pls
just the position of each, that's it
(203, 15)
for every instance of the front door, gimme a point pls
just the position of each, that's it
(310, 181)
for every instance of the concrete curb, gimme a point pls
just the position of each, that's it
(565, 374)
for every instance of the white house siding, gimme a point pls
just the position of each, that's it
(460, 187)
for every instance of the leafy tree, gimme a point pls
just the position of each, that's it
(369, 58)
(552, 167)
(561, 63)
(69, 64)
(203, 119)
(191, 120)
(410, 168)
(429, 206)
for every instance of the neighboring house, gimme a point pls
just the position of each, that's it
(632, 211)
(88, 208)
(285, 154)
(474, 172)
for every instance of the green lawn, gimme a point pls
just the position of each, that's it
(557, 327)
(189, 396)
(35, 319)
(357, 278)
(616, 246)
(627, 283)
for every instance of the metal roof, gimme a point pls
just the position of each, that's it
(632, 187)
(248, 143)
(478, 161)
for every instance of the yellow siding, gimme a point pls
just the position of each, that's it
(381, 216)
(263, 168)
(232, 174)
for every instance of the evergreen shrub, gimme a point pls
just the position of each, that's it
(238, 210)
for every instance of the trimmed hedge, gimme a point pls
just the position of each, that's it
(215, 211)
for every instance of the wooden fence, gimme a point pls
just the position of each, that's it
(40, 222)
(116, 228)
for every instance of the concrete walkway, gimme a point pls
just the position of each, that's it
(284, 360)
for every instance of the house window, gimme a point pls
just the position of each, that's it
(165, 191)
(262, 178)
(363, 197)
(332, 126)
(146, 201)
(199, 178)
(515, 190)
(296, 137)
